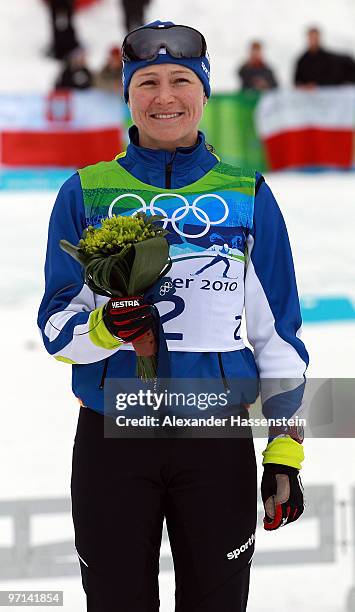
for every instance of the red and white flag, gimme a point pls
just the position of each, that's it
(308, 128)
(72, 129)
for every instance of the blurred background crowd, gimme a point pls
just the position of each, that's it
(316, 66)
(283, 91)
(75, 73)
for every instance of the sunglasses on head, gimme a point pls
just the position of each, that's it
(179, 41)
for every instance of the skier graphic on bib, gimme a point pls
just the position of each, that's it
(222, 252)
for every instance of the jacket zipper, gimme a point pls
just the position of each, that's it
(168, 172)
(101, 386)
(223, 374)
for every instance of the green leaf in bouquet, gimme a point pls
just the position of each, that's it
(111, 273)
(154, 219)
(151, 257)
(120, 271)
(74, 251)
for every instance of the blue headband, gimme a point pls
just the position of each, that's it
(199, 65)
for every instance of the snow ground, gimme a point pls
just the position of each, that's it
(39, 412)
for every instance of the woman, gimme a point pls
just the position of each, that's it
(205, 488)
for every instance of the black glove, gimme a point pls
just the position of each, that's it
(128, 319)
(282, 495)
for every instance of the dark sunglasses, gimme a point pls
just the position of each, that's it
(179, 41)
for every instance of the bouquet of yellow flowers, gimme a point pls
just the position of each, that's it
(123, 258)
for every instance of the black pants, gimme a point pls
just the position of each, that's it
(121, 491)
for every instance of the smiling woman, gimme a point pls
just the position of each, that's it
(230, 253)
(166, 106)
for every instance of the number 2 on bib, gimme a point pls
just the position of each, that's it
(179, 307)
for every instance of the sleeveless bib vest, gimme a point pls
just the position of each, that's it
(201, 299)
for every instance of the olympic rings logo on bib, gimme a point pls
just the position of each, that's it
(179, 213)
(165, 288)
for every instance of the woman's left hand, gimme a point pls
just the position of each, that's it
(282, 495)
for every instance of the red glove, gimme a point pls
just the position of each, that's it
(130, 320)
(282, 495)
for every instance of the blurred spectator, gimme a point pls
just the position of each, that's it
(317, 66)
(348, 68)
(75, 73)
(255, 73)
(64, 39)
(109, 78)
(134, 13)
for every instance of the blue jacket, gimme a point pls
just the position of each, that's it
(271, 302)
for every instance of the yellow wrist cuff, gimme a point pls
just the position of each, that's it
(284, 451)
(98, 332)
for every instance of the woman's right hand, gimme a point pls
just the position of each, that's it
(128, 318)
